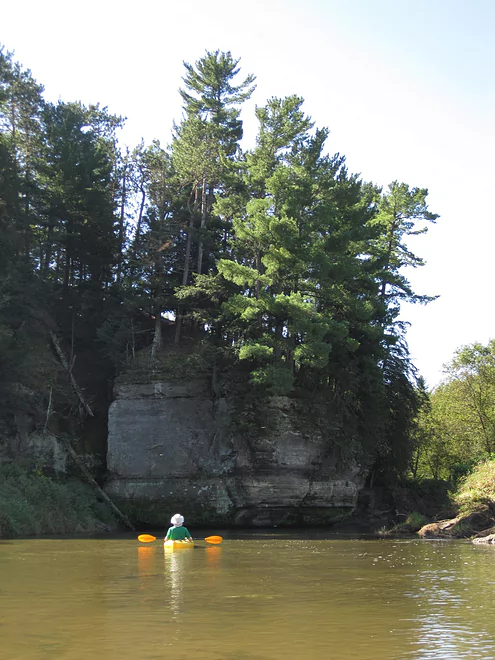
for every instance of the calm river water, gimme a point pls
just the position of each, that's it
(255, 597)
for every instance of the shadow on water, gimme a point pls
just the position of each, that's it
(288, 533)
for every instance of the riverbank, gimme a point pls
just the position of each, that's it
(475, 503)
(470, 514)
(32, 504)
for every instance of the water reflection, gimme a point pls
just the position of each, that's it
(146, 560)
(269, 599)
(176, 564)
(452, 598)
(213, 556)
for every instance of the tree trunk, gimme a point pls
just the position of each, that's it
(203, 224)
(45, 263)
(187, 258)
(137, 235)
(122, 221)
(258, 286)
(65, 364)
(277, 354)
(157, 336)
(77, 460)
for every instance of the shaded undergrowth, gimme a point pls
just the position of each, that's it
(33, 504)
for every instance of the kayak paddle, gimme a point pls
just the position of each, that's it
(216, 540)
(148, 538)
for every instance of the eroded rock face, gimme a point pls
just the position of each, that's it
(173, 447)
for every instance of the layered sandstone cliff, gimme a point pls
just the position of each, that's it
(174, 447)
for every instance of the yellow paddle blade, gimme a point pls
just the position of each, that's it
(146, 538)
(213, 539)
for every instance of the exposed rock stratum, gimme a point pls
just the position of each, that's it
(173, 447)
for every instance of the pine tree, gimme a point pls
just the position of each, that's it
(296, 248)
(205, 150)
(81, 225)
(21, 108)
(400, 210)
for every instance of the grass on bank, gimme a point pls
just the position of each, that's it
(32, 504)
(477, 488)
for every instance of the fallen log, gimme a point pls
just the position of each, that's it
(80, 464)
(65, 364)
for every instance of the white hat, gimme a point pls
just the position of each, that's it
(177, 520)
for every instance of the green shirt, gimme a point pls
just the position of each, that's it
(177, 533)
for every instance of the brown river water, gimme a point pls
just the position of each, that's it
(258, 596)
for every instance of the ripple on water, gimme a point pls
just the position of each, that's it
(272, 598)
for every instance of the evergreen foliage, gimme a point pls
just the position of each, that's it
(286, 268)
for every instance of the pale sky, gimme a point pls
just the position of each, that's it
(407, 88)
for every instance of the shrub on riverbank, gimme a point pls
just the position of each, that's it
(33, 504)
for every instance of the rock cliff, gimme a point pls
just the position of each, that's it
(174, 447)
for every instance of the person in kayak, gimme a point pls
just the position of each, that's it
(178, 532)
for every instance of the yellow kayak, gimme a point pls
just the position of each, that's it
(178, 545)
